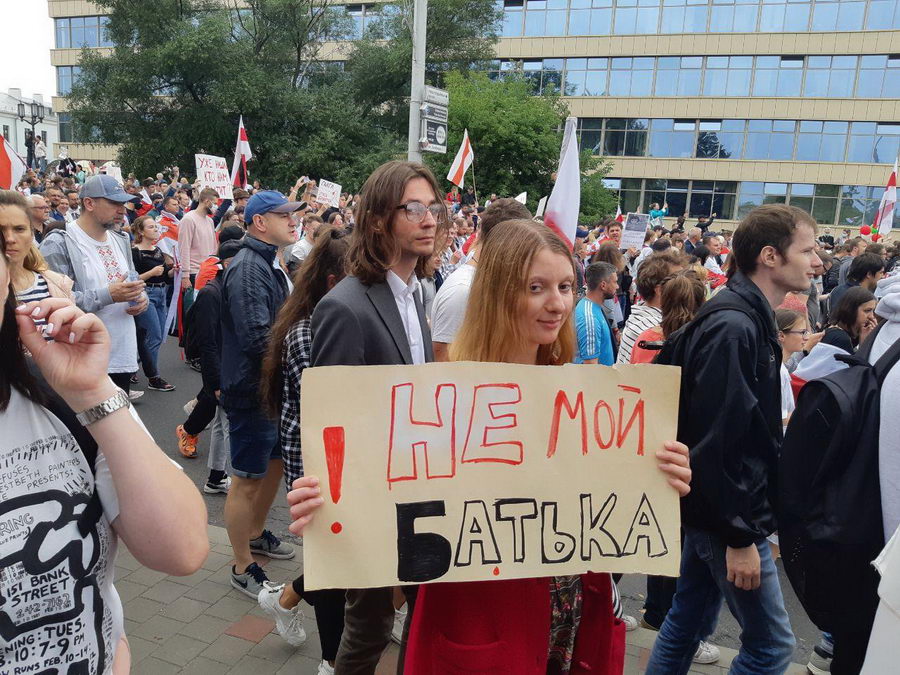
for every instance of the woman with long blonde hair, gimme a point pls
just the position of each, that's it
(31, 277)
(519, 311)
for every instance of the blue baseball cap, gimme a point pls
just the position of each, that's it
(106, 187)
(269, 201)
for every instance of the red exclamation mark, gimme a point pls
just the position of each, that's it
(333, 437)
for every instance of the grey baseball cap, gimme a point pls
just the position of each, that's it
(106, 187)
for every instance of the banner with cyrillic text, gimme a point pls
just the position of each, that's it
(476, 471)
(213, 172)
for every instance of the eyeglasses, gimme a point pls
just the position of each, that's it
(804, 333)
(415, 211)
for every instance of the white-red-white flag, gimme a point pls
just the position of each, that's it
(242, 154)
(565, 199)
(464, 158)
(619, 217)
(884, 219)
(12, 166)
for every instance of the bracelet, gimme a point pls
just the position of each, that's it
(103, 409)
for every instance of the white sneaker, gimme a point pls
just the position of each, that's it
(325, 669)
(399, 620)
(706, 653)
(289, 622)
(135, 394)
(630, 623)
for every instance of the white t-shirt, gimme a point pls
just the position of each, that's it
(60, 612)
(449, 308)
(105, 264)
(787, 394)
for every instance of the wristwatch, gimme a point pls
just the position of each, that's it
(98, 412)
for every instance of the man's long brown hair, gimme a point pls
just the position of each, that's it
(327, 258)
(373, 249)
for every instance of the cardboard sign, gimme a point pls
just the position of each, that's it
(634, 231)
(329, 193)
(213, 172)
(475, 471)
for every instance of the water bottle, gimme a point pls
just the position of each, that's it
(133, 276)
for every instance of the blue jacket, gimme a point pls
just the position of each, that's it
(253, 291)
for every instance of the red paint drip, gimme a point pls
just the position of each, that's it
(496, 571)
(333, 438)
(336, 527)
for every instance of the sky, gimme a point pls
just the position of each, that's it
(26, 37)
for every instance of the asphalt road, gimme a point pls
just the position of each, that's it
(162, 412)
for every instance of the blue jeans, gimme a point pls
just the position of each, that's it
(152, 322)
(767, 642)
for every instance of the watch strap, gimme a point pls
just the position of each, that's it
(96, 413)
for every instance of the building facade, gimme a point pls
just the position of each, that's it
(713, 106)
(77, 24)
(13, 128)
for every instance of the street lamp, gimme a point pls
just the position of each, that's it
(36, 115)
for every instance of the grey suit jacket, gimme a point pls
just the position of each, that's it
(357, 324)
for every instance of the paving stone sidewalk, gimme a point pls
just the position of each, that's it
(201, 625)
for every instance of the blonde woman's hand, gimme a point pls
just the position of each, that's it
(304, 499)
(674, 461)
(75, 363)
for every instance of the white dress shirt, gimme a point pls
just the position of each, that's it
(405, 297)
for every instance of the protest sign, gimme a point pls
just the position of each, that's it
(213, 172)
(474, 471)
(636, 226)
(329, 193)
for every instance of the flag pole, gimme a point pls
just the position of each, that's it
(474, 187)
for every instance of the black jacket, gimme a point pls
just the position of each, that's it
(252, 293)
(730, 417)
(205, 332)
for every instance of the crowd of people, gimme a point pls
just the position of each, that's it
(96, 275)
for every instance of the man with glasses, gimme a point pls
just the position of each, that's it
(375, 316)
(40, 214)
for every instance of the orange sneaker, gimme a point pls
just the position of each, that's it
(187, 443)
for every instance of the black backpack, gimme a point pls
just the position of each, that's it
(829, 516)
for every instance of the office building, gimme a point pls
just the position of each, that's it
(714, 106)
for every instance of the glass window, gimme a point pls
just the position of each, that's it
(749, 197)
(92, 31)
(77, 31)
(825, 16)
(721, 19)
(512, 22)
(850, 15)
(62, 34)
(701, 201)
(636, 138)
(105, 37)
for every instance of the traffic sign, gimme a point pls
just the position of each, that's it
(432, 111)
(435, 95)
(434, 136)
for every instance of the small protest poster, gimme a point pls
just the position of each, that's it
(213, 172)
(636, 226)
(329, 193)
(477, 471)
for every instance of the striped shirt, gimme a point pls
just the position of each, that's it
(38, 291)
(641, 318)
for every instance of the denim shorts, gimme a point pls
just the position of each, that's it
(253, 442)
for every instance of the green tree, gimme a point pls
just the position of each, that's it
(597, 201)
(516, 139)
(183, 71)
(461, 34)
(514, 134)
